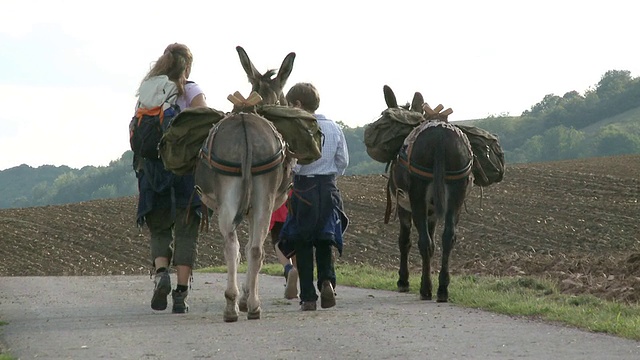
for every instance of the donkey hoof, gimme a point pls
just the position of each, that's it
(253, 315)
(230, 317)
(425, 297)
(242, 305)
(403, 288)
(443, 297)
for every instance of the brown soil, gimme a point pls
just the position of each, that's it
(572, 221)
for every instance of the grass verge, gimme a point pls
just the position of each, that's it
(517, 296)
(3, 355)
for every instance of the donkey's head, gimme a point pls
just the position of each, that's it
(266, 85)
(390, 99)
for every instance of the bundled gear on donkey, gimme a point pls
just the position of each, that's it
(385, 137)
(181, 142)
(488, 156)
(299, 128)
(185, 135)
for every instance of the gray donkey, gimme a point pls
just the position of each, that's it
(244, 171)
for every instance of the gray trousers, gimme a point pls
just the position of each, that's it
(183, 233)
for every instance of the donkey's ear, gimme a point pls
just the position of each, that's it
(417, 102)
(285, 68)
(389, 97)
(252, 73)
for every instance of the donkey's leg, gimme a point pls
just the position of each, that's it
(231, 255)
(404, 243)
(455, 200)
(419, 207)
(263, 197)
(255, 254)
(448, 239)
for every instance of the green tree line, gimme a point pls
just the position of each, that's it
(602, 121)
(25, 186)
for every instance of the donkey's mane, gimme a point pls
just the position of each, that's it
(268, 75)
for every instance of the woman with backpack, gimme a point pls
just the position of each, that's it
(166, 203)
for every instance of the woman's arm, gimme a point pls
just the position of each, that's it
(198, 101)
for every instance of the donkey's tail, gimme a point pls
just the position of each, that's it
(439, 177)
(247, 183)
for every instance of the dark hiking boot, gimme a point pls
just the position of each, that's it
(179, 304)
(291, 289)
(308, 306)
(327, 296)
(161, 291)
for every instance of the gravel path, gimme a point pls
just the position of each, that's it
(110, 318)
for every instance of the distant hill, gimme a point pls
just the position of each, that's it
(627, 121)
(472, 122)
(17, 184)
(25, 186)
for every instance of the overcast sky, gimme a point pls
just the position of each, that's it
(69, 70)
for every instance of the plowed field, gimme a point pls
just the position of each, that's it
(572, 221)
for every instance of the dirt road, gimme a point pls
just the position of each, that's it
(108, 317)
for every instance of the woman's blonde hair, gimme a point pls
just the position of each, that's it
(175, 63)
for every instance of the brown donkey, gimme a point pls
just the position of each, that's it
(429, 181)
(244, 172)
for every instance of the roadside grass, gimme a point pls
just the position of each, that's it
(3, 355)
(515, 296)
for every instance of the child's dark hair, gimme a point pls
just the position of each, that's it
(307, 94)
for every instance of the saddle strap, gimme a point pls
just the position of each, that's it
(234, 169)
(428, 173)
(387, 211)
